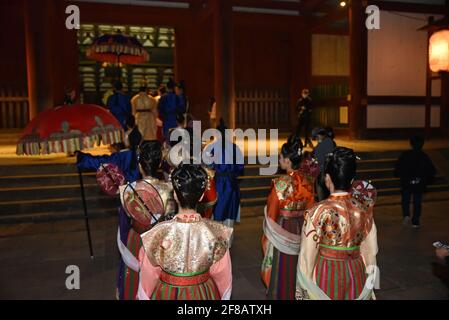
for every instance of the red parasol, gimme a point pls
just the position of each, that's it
(117, 48)
(364, 192)
(109, 178)
(68, 129)
(142, 201)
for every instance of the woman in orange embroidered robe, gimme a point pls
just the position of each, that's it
(339, 240)
(186, 258)
(158, 198)
(290, 195)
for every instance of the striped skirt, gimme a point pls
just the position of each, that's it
(341, 279)
(282, 284)
(131, 278)
(173, 290)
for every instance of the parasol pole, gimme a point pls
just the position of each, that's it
(86, 217)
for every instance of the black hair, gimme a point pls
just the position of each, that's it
(150, 157)
(170, 84)
(143, 89)
(341, 166)
(417, 142)
(180, 85)
(292, 150)
(162, 90)
(330, 132)
(180, 118)
(118, 86)
(189, 182)
(130, 121)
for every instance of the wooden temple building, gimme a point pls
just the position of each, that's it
(253, 56)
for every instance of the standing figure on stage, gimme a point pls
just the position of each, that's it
(186, 258)
(119, 104)
(136, 220)
(183, 101)
(290, 195)
(338, 240)
(145, 110)
(304, 109)
(169, 106)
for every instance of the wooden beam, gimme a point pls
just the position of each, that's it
(328, 19)
(266, 4)
(409, 7)
(401, 100)
(307, 7)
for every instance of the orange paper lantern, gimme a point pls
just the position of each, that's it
(439, 51)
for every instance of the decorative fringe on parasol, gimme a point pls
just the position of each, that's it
(123, 49)
(68, 143)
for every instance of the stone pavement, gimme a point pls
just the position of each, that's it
(34, 257)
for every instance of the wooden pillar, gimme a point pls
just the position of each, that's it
(51, 54)
(428, 105)
(224, 61)
(444, 113)
(358, 66)
(300, 66)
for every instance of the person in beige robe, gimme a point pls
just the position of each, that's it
(145, 111)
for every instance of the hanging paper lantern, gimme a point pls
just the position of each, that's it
(439, 51)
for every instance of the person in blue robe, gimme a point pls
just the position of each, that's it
(119, 104)
(169, 106)
(227, 208)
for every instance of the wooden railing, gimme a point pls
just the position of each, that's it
(262, 108)
(13, 108)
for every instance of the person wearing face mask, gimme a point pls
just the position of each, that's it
(290, 195)
(339, 239)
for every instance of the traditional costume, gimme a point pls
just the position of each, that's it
(290, 195)
(186, 258)
(119, 105)
(227, 208)
(338, 244)
(125, 160)
(138, 200)
(145, 110)
(207, 203)
(169, 106)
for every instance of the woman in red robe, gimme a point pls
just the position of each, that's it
(290, 195)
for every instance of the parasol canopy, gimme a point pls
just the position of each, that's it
(143, 203)
(109, 178)
(68, 129)
(364, 192)
(117, 48)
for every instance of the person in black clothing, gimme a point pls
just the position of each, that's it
(304, 109)
(325, 146)
(416, 171)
